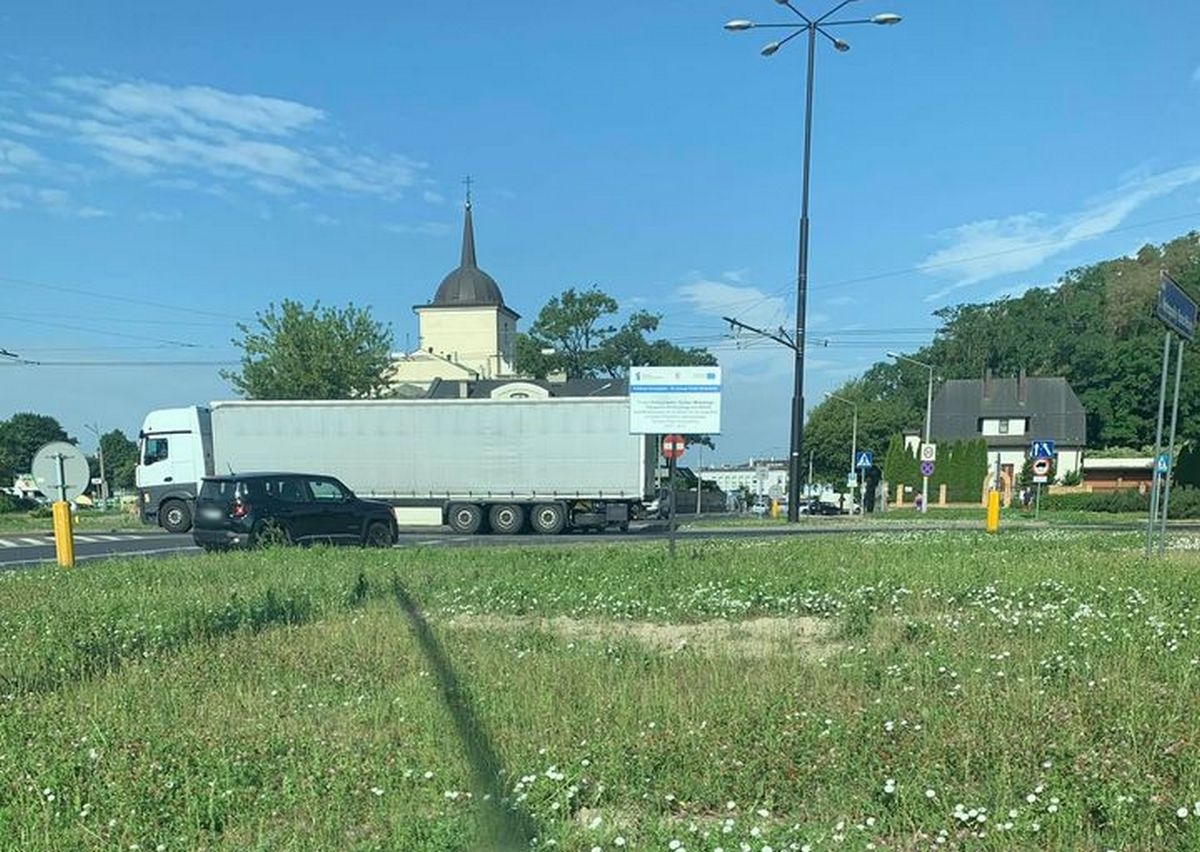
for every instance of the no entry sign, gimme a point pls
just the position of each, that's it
(672, 446)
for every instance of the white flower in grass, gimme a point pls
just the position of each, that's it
(674, 844)
(763, 812)
(595, 823)
(618, 841)
(596, 849)
(1182, 813)
(930, 793)
(378, 791)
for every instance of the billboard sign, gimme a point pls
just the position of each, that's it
(663, 400)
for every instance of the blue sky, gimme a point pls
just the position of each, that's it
(166, 171)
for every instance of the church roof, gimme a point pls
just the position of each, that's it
(468, 285)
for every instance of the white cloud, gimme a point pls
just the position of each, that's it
(50, 199)
(160, 216)
(990, 248)
(432, 197)
(754, 358)
(195, 109)
(424, 229)
(197, 134)
(15, 156)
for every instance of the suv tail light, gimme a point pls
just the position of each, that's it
(239, 509)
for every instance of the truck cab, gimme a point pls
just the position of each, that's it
(174, 454)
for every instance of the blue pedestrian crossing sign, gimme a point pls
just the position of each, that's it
(865, 458)
(1041, 450)
(1164, 463)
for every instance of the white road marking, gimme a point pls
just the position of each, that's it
(38, 541)
(6, 543)
(86, 538)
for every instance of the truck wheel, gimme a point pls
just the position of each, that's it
(378, 535)
(506, 518)
(175, 516)
(548, 518)
(465, 518)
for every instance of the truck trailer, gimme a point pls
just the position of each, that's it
(504, 465)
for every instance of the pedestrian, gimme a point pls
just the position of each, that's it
(919, 502)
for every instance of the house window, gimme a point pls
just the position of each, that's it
(1002, 425)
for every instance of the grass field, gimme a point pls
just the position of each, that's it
(1033, 690)
(85, 520)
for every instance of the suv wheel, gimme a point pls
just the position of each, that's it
(270, 534)
(175, 516)
(378, 534)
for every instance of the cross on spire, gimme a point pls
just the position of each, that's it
(467, 182)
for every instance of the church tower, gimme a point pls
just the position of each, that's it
(466, 331)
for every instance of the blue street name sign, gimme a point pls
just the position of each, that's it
(865, 458)
(1164, 463)
(1176, 308)
(1041, 450)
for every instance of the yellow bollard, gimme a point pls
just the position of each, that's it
(993, 511)
(64, 537)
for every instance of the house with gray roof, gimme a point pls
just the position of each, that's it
(1009, 414)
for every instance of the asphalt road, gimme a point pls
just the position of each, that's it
(25, 550)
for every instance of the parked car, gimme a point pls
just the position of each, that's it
(256, 509)
(817, 507)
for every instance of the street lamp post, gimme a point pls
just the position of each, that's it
(928, 412)
(813, 27)
(853, 441)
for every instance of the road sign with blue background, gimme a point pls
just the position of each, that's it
(865, 458)
(1041, 450)
(1164, 463)
(1175, 307)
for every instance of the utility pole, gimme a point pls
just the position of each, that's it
(95, 430)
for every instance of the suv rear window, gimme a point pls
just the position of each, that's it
(228, 490)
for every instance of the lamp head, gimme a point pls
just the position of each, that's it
(841, 45)
(739, 25)
(892, 354)
(886, 19)
(770, 49)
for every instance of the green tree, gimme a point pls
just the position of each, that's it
(576, 334)
(120, 459)
(295, 352)
(20, 438)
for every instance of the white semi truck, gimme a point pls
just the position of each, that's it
(504, 465)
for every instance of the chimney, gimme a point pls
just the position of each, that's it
(1021, 387)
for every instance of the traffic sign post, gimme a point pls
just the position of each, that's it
(1178, 311)
(672, 448)
(60, 468)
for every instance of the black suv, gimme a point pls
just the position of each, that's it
(254, 509)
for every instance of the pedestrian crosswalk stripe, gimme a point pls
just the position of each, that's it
(113, 537)
(7, 543)
(86, 538)
(34, 540)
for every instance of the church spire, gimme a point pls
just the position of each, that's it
(468, 243)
